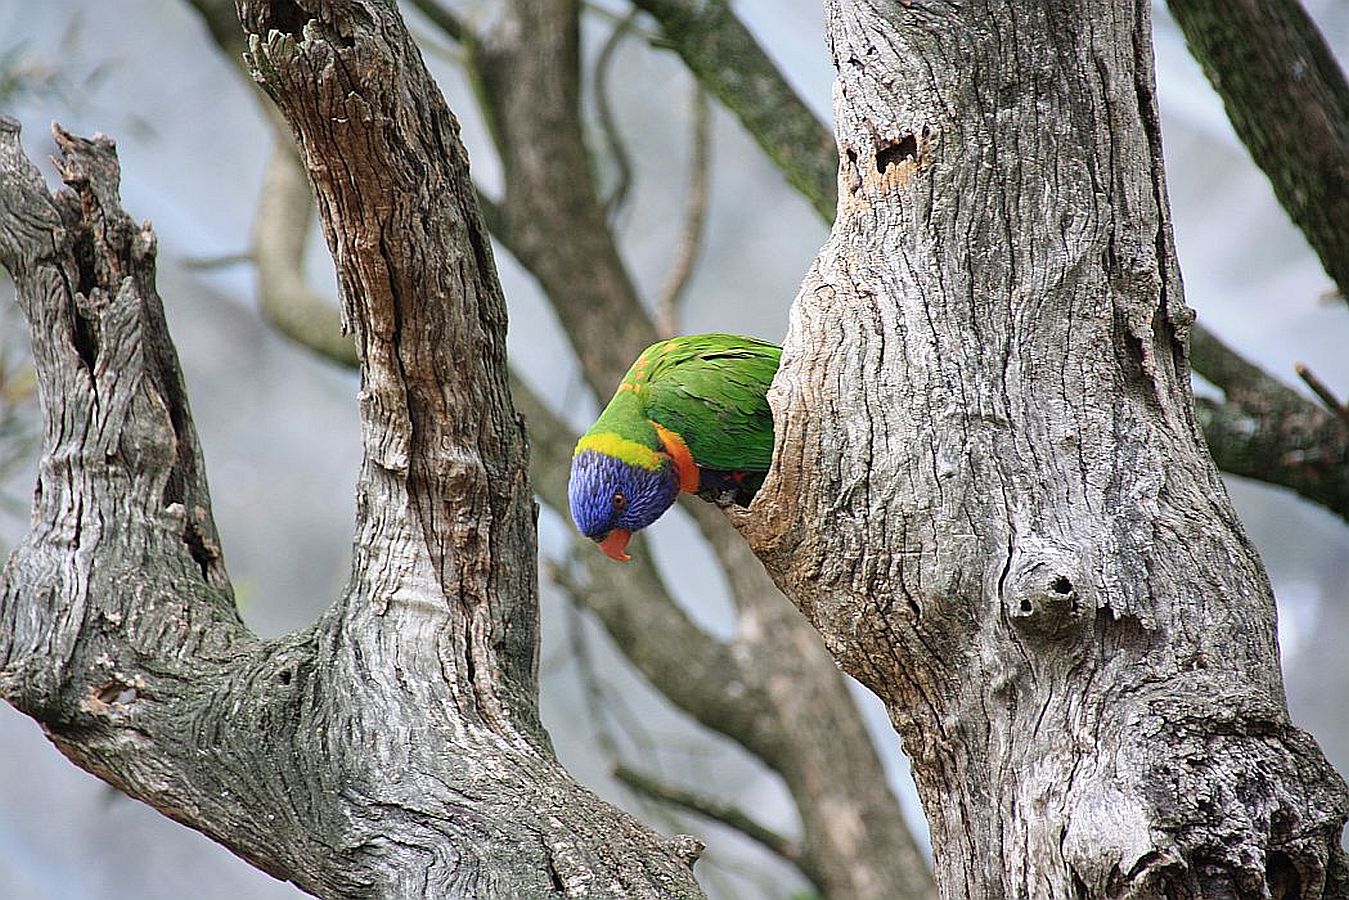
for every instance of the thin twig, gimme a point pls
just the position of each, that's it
(725, 56)
(591, 689)
(1321, 390)
(613, 139)
(206, 263)
(695, 216)
(602, 702)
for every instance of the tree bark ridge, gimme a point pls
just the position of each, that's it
(1010, 528)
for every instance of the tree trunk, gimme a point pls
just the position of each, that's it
(394, 748)
(989, 489)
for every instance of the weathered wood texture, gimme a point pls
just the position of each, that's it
(394, 748)
(1007, 525)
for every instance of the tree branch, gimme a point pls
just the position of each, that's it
(1288, 101)
(442, 18)
(806, 726)
(119, 633)
(1322, 391)
(117, 627)
(726, 814)
(1267, 431)
(695, 217)
(726, 58)
(1006, 525)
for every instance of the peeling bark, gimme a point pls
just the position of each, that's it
(1008, 526)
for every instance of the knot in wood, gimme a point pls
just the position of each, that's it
(1043, 601)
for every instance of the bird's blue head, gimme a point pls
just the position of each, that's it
(612, 497)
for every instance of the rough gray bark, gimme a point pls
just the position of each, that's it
(394, 748)
(1008, 525)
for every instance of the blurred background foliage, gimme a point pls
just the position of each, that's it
(279, 427)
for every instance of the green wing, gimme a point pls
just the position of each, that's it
(711, 389)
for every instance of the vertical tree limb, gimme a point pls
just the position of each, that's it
(1009, 527)
(695, 217)
(281, 228)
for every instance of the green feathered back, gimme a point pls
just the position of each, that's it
(710, 389)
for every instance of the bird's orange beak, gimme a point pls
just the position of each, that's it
(615, 543)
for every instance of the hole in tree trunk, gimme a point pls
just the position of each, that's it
(117, 692)
(905, 148)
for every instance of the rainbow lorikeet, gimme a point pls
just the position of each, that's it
(690, 415)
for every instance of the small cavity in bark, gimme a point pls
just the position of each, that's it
(285, 16)
(85, 339)
(196, 547)
(895, 152)
(117, 691)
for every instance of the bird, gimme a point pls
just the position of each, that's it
(691, 415)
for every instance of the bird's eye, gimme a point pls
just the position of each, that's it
(620, 501)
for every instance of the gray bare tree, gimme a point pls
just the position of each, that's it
(996, 506)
